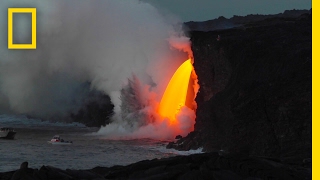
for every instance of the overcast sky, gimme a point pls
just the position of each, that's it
(201, 10)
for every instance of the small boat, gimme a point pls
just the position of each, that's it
(7, 133)
(59, 141)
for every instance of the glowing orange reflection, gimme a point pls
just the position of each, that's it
(176, 92)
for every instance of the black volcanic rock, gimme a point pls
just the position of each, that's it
(255, 90)
(198, 166)
(240, 21)
(95, 111)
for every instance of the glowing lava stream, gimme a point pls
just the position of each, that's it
(175, 94)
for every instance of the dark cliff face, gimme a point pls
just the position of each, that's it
(255, 89)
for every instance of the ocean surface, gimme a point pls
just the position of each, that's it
(86, 152)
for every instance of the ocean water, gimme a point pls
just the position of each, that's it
(86, 152)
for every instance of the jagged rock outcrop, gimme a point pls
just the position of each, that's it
(255, 89)
(93, 109)
(96, 110)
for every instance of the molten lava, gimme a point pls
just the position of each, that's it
(177, 93)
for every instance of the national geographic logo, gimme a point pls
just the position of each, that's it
(33, 44)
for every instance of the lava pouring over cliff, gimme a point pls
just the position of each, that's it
(180, 92)
(143, 116)
(175, 94)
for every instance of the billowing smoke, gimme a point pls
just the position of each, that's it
(103, 42)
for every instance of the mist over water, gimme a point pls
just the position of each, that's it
(103, 42)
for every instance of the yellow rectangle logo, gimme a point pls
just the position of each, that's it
(33, 44)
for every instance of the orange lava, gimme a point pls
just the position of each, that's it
(177, 92)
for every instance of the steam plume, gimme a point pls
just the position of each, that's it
(102, 42)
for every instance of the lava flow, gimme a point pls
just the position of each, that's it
(178, 93)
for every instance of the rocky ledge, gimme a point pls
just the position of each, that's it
(196, 166)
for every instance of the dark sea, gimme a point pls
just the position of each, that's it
(86, 152)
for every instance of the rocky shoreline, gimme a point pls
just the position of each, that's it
(197, 166)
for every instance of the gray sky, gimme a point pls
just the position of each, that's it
(201, 10)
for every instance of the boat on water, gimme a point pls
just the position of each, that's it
(59, 141)
(7, 133)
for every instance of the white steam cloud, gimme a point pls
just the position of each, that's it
(102, 42)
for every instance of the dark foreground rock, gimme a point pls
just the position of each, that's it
(198, 166)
